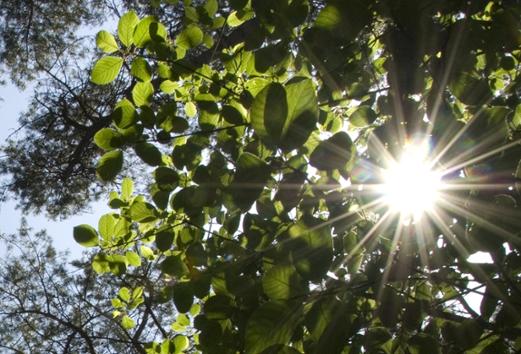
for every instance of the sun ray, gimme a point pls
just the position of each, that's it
(409, 185)
(381, 149)
(446, 147)
(457, 186)
(485, 144)
(477, 272)
(444, 80)
(385, 218)
(481, 157)
(465, 127)
(453, 207)
(424, 234)
(396, 239)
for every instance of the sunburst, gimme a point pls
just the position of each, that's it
(411, 186)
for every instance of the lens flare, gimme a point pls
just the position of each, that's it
(411, 187)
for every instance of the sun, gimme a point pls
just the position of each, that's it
(410, 184)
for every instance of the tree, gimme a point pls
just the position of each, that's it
(267, 123)
(48, 164)
(53, 305)
(34, 32)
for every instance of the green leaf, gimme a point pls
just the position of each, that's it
(85, 235)
(282, 282)
(106, 42)
(149, 154)
(106, 70)
(423, 344)
(362, 117)
(168, 86)
(173, 265)
(127, 322)
(133, 259)
(322, 314)
(285, 115)
(147, 252)
(271, 323)
(165, 240)
(141, 70)
(250, 178)
(124, 115)
(269, 111)
(166, 178)
(235, 20)
(271, 57)
(515, 122)
(196, 254)
(232, 115)
(238, 4)
(195, 309)
(343, 19)
(100, 264)
(179, 124)
(181, 343)
(311, 249)
(218, 307)
(333, 153)
(147, 31)
(127, 187)
(183, 296)
(109, 165)
(142, 93)
(108, 139)
(124, 294)
(143, 212)
(190, 37)
(329, 18)
(336, 333)
(126, 25)
(470, 89)
(211, 7)
(122, 228)
(190, 109)
(192, 199)
(376, 336)
(302, 112)
(106, 226)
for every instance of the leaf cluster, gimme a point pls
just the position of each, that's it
(253, 116)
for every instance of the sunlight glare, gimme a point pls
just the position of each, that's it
(411, 187)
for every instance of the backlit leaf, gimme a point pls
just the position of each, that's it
(362, 116)
(143, 212)
(282, 283)
(106, 42)
(271, 323)
(109, 165)
(85, 235)
(333, 153)
(142, 93)
(148, 30)
(141, 70)
(190, 37)
(249, 181)
(126, 25)
(106, 70)
(107, 139)
(269, 111)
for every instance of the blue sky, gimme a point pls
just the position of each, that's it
(12, 105)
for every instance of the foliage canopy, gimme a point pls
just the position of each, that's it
(262, 124)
